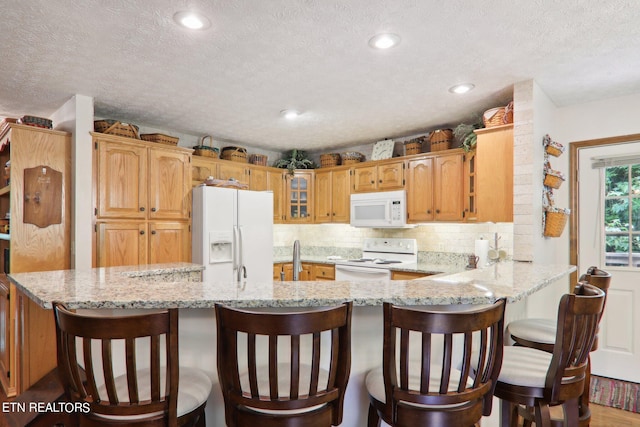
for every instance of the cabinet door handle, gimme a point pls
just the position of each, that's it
(153, 209)
(141, 208)
(141, 232)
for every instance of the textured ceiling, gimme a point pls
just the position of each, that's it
(260, 57)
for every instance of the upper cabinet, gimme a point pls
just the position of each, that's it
(276, 184)
(494, 174)
(299, 197)
(256, 177)
(332, 194)
(435, 187)
(382, 176)
(143, 203)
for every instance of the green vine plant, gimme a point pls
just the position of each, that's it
(295, 159)
(465, 134)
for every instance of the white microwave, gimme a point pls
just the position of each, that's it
(385, 209)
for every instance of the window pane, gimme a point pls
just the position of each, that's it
(635, 214)
(635, 255)
(635, 180)
(617, 181)
(616, 214)
(617, 248)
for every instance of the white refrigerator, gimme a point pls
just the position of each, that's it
(233, 234)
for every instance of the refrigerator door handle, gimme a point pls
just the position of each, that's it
(235, 249)
(241, 268)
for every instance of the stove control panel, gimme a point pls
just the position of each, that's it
(390, 245)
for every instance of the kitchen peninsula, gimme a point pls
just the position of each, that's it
(178, 285)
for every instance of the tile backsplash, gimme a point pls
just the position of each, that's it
(448, 237)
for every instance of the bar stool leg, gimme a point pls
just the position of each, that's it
(583, 404)
(508, 414)
(373, 420)
(542, 415)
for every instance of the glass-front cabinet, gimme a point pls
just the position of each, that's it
(299, 197)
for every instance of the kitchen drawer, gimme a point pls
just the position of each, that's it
(324, 272)
(407, 275)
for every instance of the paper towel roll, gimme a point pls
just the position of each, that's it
(482, 251)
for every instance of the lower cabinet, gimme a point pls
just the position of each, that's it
(310, 271)
(407, 275)
(140, 242)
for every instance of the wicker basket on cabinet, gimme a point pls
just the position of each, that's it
(234, 154)
(329, 160)
(441, 139)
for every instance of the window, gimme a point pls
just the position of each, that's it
(622, 215)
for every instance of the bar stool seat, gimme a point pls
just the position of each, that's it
(431, 374)
(524, 366)
(536, 330)
(284, 368)
(193, 392)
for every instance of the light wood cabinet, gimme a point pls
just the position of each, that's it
(310, 271)
(332, 195)
(299, 197)
(406, 275)
(202, 168)
(143, 203)
(324, 272)
(435, 187)
(420, 190)
(276, 184)
(27, 332)
(494, 174)
(470, 187)
(448, 188)
(379, 177)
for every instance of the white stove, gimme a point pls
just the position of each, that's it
(379, 257)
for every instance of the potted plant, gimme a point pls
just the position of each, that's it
(465, 134)
(295, 159)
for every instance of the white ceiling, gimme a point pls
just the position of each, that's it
(260, 57)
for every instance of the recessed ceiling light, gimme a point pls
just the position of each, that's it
(290, 114)
(384, 41)
(192, 20)
(461, 88)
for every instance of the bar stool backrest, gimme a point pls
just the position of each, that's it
(89, 378)
(598, 278)
(578, 317)
(284, 368)
(441, 395)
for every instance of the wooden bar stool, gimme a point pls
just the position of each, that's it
(541, 334)
(538, 379)
(280, 369)
(419, 388)
(160, 394)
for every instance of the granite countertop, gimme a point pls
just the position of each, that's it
(178, 285)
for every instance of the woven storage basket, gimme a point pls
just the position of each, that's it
(413, 146)
(114, 127)
(554, 149)
(206, 149)
(330, 159)
(553, 181)
(160, 138)
(351, 157)
(554, 223)
(498, 116)
(441, 139)
(235, 154)
(258, 159)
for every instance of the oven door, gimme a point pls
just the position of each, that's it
(360, 274)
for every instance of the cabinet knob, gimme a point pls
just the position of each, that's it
(334, 214)
(380, 181)
(428, 211)
(437, 210)
(141, 232)
(153, 232)
(373, 182)
(141, 208)
(323, 273)
(153, 209)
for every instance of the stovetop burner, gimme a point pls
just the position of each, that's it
(376, 260)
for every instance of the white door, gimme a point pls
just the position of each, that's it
(609, 237)
(255, 235)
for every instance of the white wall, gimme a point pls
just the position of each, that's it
(76, 117)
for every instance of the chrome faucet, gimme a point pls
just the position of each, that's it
(297, 264)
